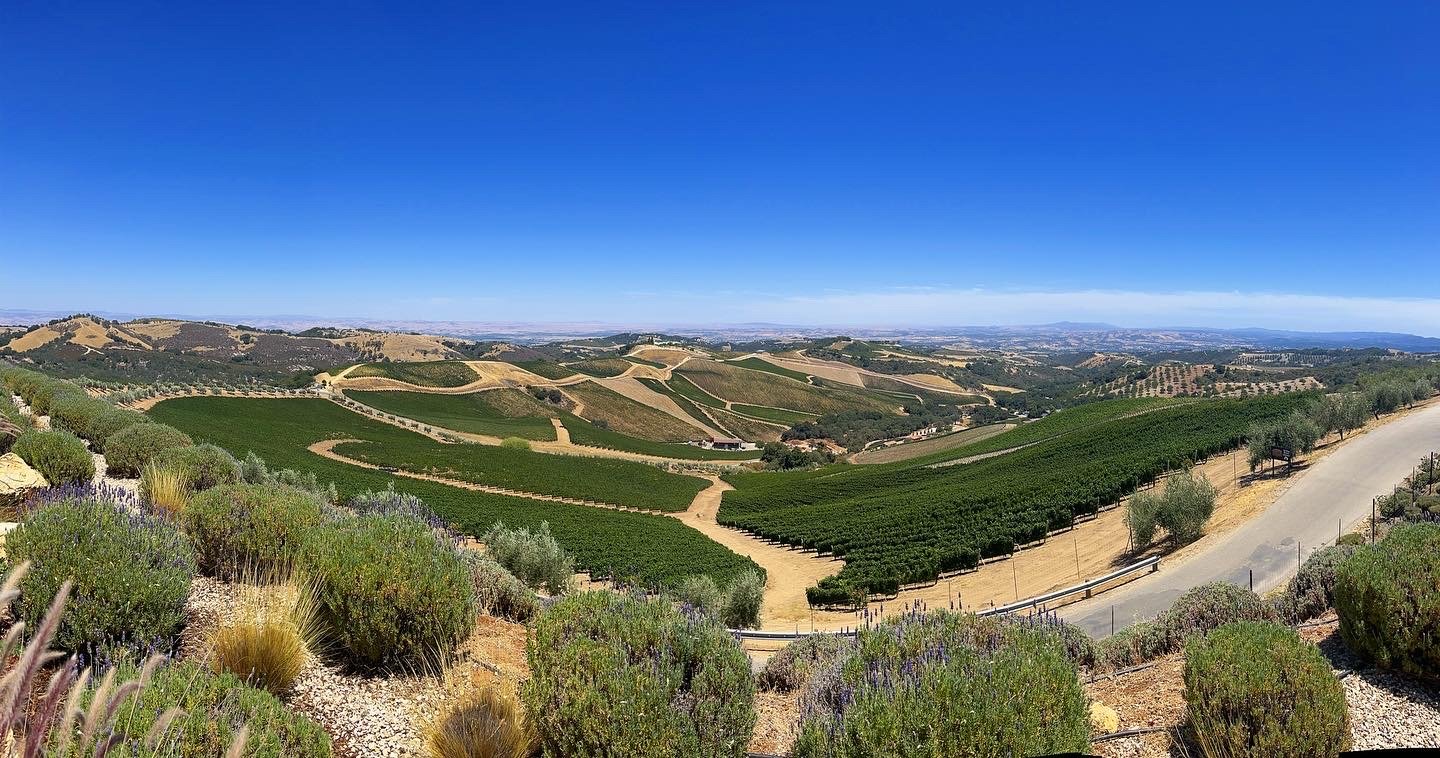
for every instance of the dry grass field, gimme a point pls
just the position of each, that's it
(626, 416)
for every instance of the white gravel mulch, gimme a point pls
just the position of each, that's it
(1391, 711)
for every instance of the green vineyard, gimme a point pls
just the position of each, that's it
(649, 549)
(908, 522)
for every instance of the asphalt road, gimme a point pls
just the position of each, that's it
(1336, 490)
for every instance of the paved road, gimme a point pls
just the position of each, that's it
(1339, 488)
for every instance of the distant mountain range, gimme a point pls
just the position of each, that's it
(1055, 336)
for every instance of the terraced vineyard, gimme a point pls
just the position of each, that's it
(651, 549)
(907, 522)
(628, 417)
(604, 367)
(501, 413)
(742, 385)
(760, 364)
(544, 368)
(685, 403)
(428, 374)
(583, 432)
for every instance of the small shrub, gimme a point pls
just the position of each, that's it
(202, 466)
(1132, 645)
(271, 637)
(1352, 538)
(790, 668)
(109, 421)
(388, 502)
(497, 591)
(1311, 591)
(741, 608)
(74, 411)
(1388, 599)
(59, 456)
(515, 443)
(1140, 512)
(128, 450)
(535, 558)
(488, 724)
(213, 709)
(1258, 689)
(699, 592)
(131, 575)
(947, 684)
(247, 528)
(597, 659)
(1208, 607)
(389, 592)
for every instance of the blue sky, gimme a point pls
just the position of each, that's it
(850, 163)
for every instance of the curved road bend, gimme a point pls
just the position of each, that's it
(1338, 488)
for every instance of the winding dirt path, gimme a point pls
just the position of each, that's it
(788, 571)
(562, 435)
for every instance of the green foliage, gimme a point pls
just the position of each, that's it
(389, 592)
(1296, 432)
(534, 557)
(1258, 689)
(778, 455)
(1187, 504)
(598, 659)
(742, 385)
(202, 466)
(59, 456)
(855, 429)
(583, 432)
(213, 710)
(245, 529)
(1388, 598)
(906, 522)
(420, 374)
(1311, 591)
(1351, 539)
(1140, 516)
(78, 412)
(606, 480)
(791, 668)
(515, 443)
(700, 592)
(497, 591)
(132, 575)
(130, 449)
(743, 598)
(945, 684)
(499, 413)
(604, 367)
(1193, 614)
(648, 549)
(760, 364)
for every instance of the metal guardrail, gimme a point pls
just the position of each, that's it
(1087, 587)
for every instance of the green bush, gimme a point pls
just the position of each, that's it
(202, 466)
(75, 412)
(1388, 599)
(944, 684)
(598, 660)
(699, 592)
(1352, 538)
(1194, 613)
(128, 450)
(389, 591)
(132, 574)
(498, 592)
(1258, 689)
(245, 529)
(741, 605)
(790, 668)
(1132, 645)
(214, 708)
(533, 557)
(1311, 591)
(59, 456)
(515, 443)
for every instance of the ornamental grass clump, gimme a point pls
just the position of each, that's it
(389, 593)
(165, 488)
(244, 529)
(59, 456)
(1258, 689)
(941, 684)
(128, 450)
(272, 635)
(131, 575)
(618, 675)
(1388, 599)
(487, 724)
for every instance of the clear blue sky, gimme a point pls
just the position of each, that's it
(827, 162)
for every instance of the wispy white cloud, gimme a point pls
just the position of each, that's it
(955, 307)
